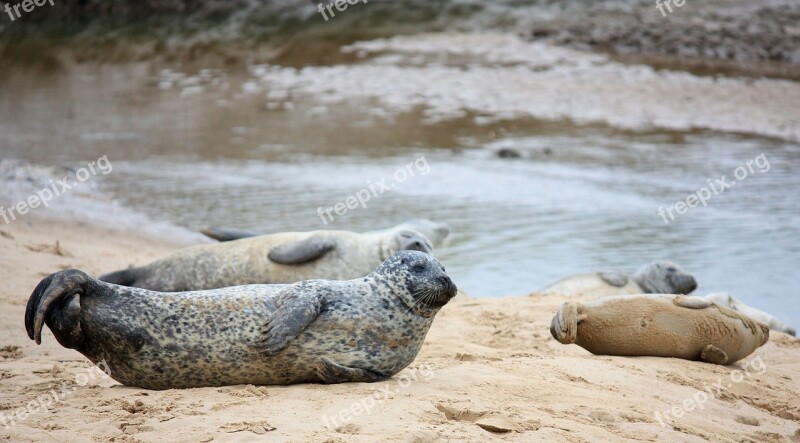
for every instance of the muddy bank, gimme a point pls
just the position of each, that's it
(731, 37)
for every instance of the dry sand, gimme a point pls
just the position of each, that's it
(489, 370)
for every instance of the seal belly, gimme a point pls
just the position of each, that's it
(178, 340)
(666, 326)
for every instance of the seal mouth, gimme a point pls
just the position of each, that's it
(445, 292)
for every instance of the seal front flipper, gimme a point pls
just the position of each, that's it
(330, 372)
(691, 302)
(303, 251)
(713, 354)
(223, 234)
(614, 278)
(297, 308)
(56, 301)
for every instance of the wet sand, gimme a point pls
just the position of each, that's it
(488, 370)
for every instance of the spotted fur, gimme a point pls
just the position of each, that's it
(366, 329)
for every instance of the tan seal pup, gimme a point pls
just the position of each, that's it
(361, 330)
(658, 277)
(287, 257)
(659, 325)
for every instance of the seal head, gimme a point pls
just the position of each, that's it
(419, 280)
(405, 240)
(665, 277)
(437, 232)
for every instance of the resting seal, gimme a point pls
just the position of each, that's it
(437, 233)
(287, 257)
(725, 299)
(659, 325)
(363, 330)
(658, 277)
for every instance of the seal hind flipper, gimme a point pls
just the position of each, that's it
(56, 300)
(125, 277)
(224, 234)
(330, 372)
(713, 354)
(564, 326)
(303, 251)
(614, 278)
(296, 310)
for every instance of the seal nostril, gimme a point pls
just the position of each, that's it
(446, 281)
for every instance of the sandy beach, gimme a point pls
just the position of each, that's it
(489, 370)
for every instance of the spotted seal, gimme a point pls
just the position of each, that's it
(362, 330)
(661, 325)
(287, 257)
(436, 232)
(658, 277)
(725, 299)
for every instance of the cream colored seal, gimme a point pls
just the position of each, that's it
(659, 325)
(287, 257)
(725, 299)
(659, 277)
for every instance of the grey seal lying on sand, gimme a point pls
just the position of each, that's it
(362, 330)
(287, 257)
(437, 233)
(658, 277)
(660, 325)
(725, 299)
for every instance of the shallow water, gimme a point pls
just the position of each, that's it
(264, 148)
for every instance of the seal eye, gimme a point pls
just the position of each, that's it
(418, 268)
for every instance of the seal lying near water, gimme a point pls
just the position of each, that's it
(660, 325)
(658, 277)
(361, 330)
(725, 299)
(437, 233)
(287, 257)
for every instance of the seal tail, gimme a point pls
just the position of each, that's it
(124, 277)
(224, 234)
(564, 326)
(56, 300)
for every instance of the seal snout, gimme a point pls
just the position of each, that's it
(449, 289)
(414, 241)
